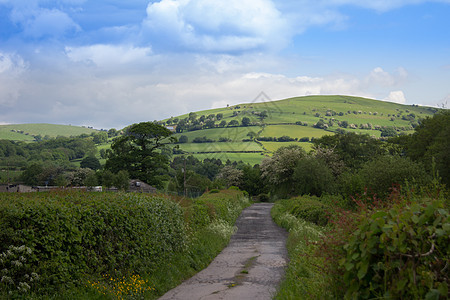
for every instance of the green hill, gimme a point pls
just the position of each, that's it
(294, 120)
(27, 132)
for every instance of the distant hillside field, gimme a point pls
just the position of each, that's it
(26, 132)
(293, 120)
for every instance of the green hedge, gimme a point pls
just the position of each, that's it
(66, 239)
(74, 234)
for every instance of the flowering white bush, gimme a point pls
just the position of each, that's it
(15, 275)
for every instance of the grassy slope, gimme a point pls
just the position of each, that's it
(283, 114)
(40, 129)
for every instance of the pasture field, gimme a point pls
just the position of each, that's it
(250, 158)
(236, 134)
(294, 131)
(220, 147)
(273, 146)
(29, 130)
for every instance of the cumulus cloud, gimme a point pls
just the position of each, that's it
(216, 26)
(396, 96)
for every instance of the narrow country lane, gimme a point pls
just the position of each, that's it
(250, 267)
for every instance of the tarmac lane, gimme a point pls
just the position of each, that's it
(250, 267)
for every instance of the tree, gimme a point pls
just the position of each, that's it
(431, 140)
(210, 123)
(233, 123)
(192, 116)
(231, 176)
(112, 132)
(31, 175)
(138, 152)
(122, 180)
(90, 162)
(183, 139)
(100, 138)
(312, 176)
(106, 178)
(219, 116)
(353, 149)
(278, 169)
(245, 121)
(223, 123)
(91, 180)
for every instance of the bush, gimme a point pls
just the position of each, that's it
(381, 174)
(309, 209)
(401, 253)
(85, 245)
(74, 234)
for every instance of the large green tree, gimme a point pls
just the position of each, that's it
(138, 152)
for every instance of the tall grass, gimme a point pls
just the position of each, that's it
(304, 278)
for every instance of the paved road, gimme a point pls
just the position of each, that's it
(250, 267)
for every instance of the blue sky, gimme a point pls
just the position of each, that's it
(113, 63)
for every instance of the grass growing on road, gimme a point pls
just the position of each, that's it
(304, 278)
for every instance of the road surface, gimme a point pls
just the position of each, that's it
(250, 267)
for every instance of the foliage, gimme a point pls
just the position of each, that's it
(399, 252)
(73, 234)
(353, 149)
(313, 177)
(17, 276)
(231, 176)
(304, 278)
(90, 162)
(308, 208)
(183, 139)
(138, 152)
(431, 140)
(380, 175)
(279, 169)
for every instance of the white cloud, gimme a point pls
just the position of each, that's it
(216, 26)
(380, 77)
(396, 96)
(12, 66)
(107, 55)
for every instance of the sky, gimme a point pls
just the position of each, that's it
(112, 63)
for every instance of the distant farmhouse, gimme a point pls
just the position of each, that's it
(172, 128)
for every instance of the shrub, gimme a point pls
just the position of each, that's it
(73, 234)
(401, 252)
(379, 175)
(310, 209)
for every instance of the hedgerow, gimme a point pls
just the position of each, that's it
(72, 238)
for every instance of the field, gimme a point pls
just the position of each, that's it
(273, 146)
(283, 115)
(221, 147)
(26, 132)
(294, 131)
(280, 120)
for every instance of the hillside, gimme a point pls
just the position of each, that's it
(28, 132)
(270, 125)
